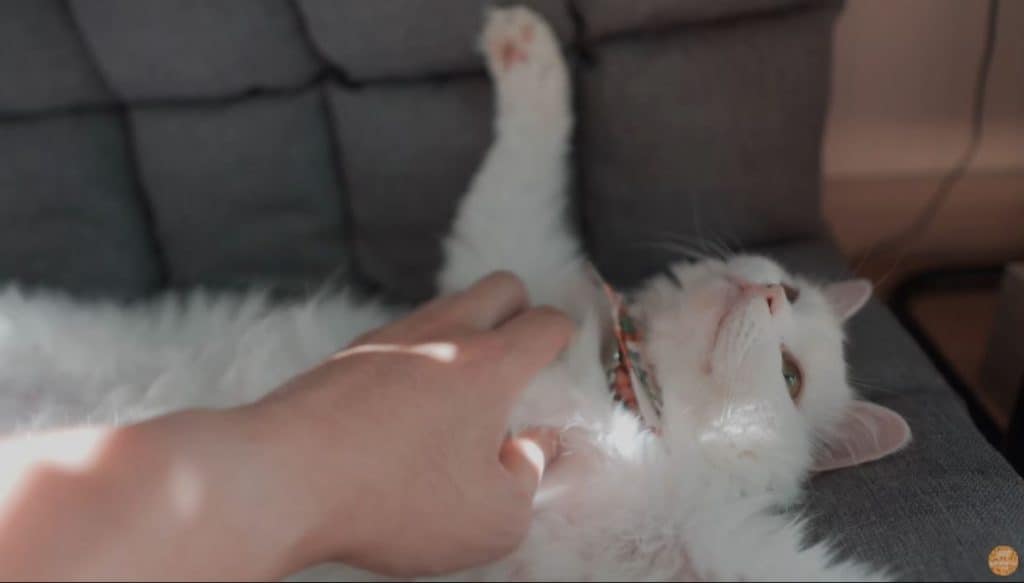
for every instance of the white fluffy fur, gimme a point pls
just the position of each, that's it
(702, 501)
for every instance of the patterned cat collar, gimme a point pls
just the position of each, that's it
(630, 376)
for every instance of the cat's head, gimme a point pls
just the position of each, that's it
(751, 363)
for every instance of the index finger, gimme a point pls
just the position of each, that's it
(491, 300)
(535, 338)
(486, 303)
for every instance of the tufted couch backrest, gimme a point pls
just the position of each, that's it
(147, 146)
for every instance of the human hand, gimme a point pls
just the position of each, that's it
(398, 443)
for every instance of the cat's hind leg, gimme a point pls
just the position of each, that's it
(514, 215)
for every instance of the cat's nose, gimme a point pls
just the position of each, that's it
(773, 294)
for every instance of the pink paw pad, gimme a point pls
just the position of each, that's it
(512, 50)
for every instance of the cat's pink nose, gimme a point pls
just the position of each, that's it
(773, 294)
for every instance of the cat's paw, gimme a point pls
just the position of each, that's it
(526, 64)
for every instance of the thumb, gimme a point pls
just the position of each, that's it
(526, 455)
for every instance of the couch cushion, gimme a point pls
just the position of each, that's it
(935, 510)
(194, 48)
(409, 38)
(670, 142)
(70, 212)
(605, 18)
(42, 63)
(409, 154)
(244, 193)
(709, 135)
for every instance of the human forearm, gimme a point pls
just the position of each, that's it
(390, 456)
(191, 495)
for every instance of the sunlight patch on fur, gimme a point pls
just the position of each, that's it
(742, 426)
(625, 436)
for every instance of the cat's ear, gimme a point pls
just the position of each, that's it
(848, 297)
(867, 432)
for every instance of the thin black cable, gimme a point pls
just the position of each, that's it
(903, 240)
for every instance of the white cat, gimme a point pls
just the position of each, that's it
(745, 392)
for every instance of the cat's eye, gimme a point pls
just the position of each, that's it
(792, 293)
(792, 375)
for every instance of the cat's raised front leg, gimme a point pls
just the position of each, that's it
(514, 215)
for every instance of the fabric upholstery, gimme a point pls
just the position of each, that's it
(185, 143)
(710, 131)
(606, 18)
(43, 63)
(676, 147)
(243, 193)
(218, 48)
(409, 38)
(70, 212)
(408, 154)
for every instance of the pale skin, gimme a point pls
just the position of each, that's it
(390, 456)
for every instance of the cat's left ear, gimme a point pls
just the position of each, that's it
(867, 432)
(848, 297)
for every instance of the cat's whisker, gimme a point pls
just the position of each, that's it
(687, 252)
(702, 245)
(723, 247)
(873, 385)
(736, 242)
(718, 246)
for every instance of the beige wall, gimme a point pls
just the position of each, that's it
(903, 80)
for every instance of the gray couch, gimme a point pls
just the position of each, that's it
(155, 146)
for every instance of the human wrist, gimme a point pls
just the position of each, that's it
(302, 457)
(240, 491)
